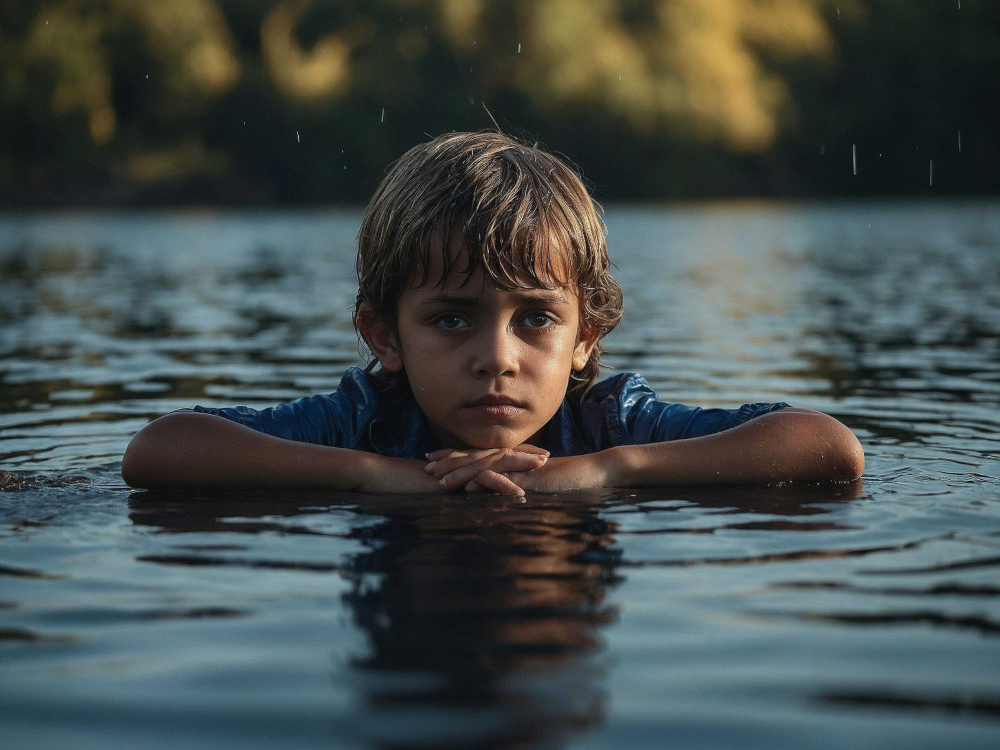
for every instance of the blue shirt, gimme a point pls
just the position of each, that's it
(370, 414)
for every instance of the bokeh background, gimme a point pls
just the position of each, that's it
(132, 102)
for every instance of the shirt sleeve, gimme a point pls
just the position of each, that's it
(336, 419)
(647, 420)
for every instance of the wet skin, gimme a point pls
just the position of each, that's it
(488, 366)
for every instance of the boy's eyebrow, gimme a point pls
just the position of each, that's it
(541, 297)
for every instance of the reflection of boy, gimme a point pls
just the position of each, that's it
(484, 292)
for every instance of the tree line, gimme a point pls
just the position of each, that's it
(290, 101)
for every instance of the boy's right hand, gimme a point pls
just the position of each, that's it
(478, 470)
(385, 474)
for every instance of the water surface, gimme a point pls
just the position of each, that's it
(822, 616)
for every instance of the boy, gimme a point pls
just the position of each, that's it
(484, 293)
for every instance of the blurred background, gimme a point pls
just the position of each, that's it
(136, 102)
(822, 617)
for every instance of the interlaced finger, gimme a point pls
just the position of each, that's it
(493, 482)
(506, 460)
(452, 460)
(455, 452)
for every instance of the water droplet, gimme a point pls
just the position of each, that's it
(298, 138)
(854, 157)
(519, 48)
(383, 114)
(932, 173)
(959, 133)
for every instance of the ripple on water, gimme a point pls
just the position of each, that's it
(839, 615)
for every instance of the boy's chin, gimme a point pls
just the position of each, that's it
(493, 438)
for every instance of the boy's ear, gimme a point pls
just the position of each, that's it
(586, 341)
(380, 338)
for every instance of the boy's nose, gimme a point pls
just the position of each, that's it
(496, 355)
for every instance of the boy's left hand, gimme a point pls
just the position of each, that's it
(475, 471)
(485, 469)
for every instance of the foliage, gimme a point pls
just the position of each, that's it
(257, 100)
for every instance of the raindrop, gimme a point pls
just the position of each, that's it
(298, 138)
(838, 11)
(932, 173)
(519, 48)
(959, 141)
(854, 157)
(147, 75)
(383, 114)
(472, 101)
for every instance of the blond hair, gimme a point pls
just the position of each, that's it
(525, 216)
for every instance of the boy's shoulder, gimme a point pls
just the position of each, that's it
(624, 385)
(625, 410)
(342, 418)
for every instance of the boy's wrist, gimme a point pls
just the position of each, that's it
(367, 471)
(618, 465)
(624, 465)
(388, 474)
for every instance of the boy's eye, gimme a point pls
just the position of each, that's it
(450, 322)
(537, 320)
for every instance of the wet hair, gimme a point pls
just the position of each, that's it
(525, 216)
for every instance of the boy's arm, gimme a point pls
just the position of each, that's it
(797, 445)
(188, 450)
(789, 445)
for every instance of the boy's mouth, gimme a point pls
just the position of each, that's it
(497, 406)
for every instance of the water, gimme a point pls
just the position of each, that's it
(758, 617)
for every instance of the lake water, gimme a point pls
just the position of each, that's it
(818, 616)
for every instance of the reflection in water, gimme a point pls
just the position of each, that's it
(482, 612)
(479, 606)
(970, 706)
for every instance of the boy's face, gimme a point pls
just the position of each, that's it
(489, 367)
